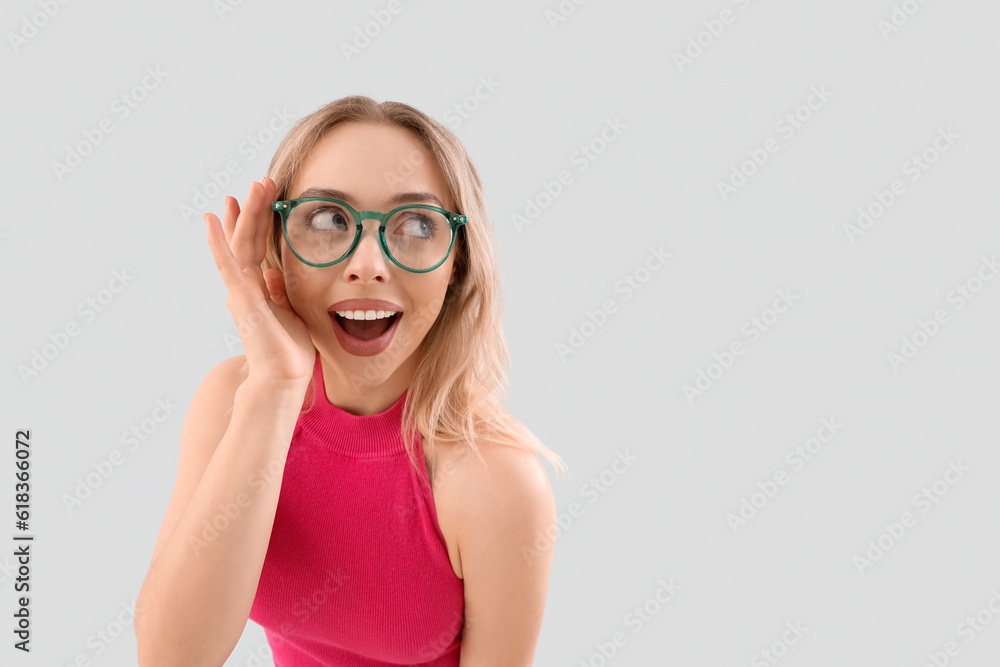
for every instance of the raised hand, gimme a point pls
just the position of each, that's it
(276, 342)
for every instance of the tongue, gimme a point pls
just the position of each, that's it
(366, 329)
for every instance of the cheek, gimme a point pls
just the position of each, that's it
(427, 303)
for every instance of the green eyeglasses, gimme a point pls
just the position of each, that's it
(416, 237)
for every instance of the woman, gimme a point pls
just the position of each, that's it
(353, 482)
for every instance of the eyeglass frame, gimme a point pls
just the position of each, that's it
(285, 206)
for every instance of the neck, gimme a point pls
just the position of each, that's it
(353, 392)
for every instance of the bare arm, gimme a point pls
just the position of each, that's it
(197, 595)
(506, 522)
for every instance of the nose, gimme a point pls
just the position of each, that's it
(367, 263)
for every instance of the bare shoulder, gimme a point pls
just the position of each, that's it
(510, 481)
(233, 370)
(506, 516)
(503, 468)
(507, 467)
(217, 393)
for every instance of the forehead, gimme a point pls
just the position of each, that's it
(371, 163)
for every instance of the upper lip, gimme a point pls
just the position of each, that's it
(364, 304)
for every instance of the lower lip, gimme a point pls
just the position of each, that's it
(363, 348)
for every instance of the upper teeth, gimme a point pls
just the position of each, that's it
(365, 314)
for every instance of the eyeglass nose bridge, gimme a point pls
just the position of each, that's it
(371, 215)
(378, 232)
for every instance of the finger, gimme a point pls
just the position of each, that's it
(230, 209)
(233, 275)
(266, 224)
(260, 225)
(246, 227)
(221, 253)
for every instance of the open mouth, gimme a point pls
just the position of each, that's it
(365, 325)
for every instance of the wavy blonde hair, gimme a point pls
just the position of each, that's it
(459, 386)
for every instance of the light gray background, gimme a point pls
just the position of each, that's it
(665, 517)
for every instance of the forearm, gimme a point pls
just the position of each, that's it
(195, 601)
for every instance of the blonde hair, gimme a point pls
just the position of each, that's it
(459, 386)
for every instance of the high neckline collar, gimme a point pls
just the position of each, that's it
(358, 436)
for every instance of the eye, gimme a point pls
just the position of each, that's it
(328, 218)
(418, 225)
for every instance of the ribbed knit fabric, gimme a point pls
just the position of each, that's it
(357, 571)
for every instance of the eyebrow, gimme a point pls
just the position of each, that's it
(395, 200)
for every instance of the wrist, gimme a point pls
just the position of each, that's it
(283, 393)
